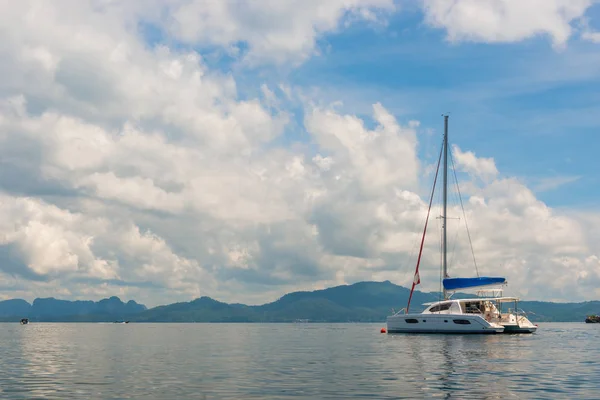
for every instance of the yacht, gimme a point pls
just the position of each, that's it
(482, 314)
(592, 319)
(472, 315)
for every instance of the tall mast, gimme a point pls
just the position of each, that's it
(444, 219)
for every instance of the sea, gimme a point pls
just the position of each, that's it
(293, 361)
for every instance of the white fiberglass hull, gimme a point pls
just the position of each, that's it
(519, 329)
(522, 325)
(441, 323)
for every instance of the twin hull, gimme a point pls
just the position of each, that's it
(441, 323)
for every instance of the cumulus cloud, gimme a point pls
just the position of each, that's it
(505, 20)
(266, 26)
(140, 171)
(484, 168)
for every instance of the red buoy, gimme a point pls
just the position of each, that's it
(382, 330)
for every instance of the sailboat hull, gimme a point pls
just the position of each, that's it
(520, 325)
(441, 323)
(519, 329)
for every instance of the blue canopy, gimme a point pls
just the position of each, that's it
(464, 283)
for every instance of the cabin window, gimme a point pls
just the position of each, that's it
(440, 307)
(411, 321)
(462, 321)
(473, 308)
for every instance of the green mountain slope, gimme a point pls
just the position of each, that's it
(360, 302)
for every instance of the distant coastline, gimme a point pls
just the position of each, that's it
(359, 302)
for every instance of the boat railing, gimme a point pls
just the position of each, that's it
(494, 293)
(504, 317)
(522, 314)
(519, 313)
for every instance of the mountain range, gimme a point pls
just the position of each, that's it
(359, 302)
(53, 310)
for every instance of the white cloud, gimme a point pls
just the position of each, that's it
(49, 241)
(505, 20)
(588, 33)
(274, 31)
(591, 36)
(553, 183)
(381, 158)
(484, 168)
(142, 172)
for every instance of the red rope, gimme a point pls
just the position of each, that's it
(417, 278)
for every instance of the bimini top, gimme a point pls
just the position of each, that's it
(465, 283)
(475, 300)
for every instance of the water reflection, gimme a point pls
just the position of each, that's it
(447, 368)
(221, 361)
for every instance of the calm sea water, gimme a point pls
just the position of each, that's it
(278, 361)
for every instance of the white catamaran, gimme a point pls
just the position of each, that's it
(481, 314)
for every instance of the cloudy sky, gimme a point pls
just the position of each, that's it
(166, 150)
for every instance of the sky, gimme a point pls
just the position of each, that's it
(166, 150)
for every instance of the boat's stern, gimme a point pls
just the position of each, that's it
(521, 325)
(496, 327)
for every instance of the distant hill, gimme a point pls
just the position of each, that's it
(360, 302)
(9, 308)
(51, 309)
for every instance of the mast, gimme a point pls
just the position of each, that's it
(417, 279)
(445, 200)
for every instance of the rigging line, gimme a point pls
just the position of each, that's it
(424, 220)
(412, 250)
(441, 221)
(441, 261)
(409, 256)
(415, 243)
(453, 253)
(424, 231)
(448, 229)
(465, 215)
(444, 221)
(438, 219)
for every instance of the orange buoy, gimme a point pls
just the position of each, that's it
(382, 330)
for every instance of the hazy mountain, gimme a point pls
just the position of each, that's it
(13, 307)
(51, 309)
(360, 302)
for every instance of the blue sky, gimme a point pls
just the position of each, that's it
(531, 107)
(526, 104)
(159, 163)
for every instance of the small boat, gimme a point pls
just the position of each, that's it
(478, 315)
(24, 321)
(592, 319)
